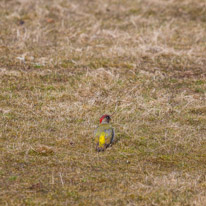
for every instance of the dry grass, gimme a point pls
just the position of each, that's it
(65, 63)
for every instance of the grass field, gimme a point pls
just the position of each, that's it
(64, 63)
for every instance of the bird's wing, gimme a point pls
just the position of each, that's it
(109, 135)
(113, 134)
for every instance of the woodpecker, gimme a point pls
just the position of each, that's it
(104, 134)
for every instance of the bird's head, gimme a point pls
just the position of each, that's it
(105, 119)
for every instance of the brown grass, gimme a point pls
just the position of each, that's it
(65, 63)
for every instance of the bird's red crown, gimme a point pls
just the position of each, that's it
(105, 116)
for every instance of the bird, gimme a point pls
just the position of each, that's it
(104, 134)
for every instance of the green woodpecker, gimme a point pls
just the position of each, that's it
(104, 134)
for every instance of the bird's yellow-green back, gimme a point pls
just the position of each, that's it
(104, 136)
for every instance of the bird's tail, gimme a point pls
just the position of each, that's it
(100, 149)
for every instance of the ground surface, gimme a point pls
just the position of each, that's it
(64, 63)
